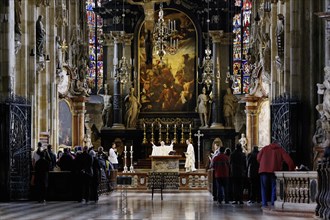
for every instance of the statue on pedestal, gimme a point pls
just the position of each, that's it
(40, 37)
(202, 103)
(107, 109)
(132, 109)
(229, 108)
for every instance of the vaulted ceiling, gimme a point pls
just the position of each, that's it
(220, 12)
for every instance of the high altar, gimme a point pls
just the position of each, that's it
(166, 94)
(169, 163)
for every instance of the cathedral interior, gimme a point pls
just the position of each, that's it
(138, 72)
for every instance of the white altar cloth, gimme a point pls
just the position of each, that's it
(162, 150)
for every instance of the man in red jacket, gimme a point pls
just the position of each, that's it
(221, 166)
(271, 159)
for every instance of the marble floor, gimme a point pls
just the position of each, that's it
(175, 205)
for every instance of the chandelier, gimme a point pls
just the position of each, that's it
(207, 65)
(123, 68)
(163, 36)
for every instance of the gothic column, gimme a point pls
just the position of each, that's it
(127, 51)
(287, 36)
(252, 121)
(216, 88)
(7, 49)
(108, 53)
(274, 83)
(78, 120)
(327, 34)
(295, 49)
(117, 88)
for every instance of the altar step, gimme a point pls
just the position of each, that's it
(146, 164)
(197, 180)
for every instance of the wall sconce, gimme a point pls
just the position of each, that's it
(267, 6)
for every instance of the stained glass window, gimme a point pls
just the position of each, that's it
(95, 24)
(241, 44)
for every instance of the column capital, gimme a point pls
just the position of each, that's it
(219, 36)
(108, 39)
(128, 39)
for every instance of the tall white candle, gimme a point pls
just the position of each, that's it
(131, 147)
(125, 148)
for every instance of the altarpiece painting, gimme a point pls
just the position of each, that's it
(170, 86)
(65, 124)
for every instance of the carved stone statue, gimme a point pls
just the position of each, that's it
(132, 109)
(78, 86)
(87, 140)
(40, 37)
(58, 53)
(202, 103)
(229, 108)
(107, 110)
(18, 15)
(243, 142)
(324, 89)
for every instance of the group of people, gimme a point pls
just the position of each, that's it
(258, 167)
(89, 169)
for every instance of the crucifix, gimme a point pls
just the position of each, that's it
(199, 135)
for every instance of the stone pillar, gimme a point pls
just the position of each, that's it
(274, 83)
(295, 49)
(287, 36)
(127, 51)
(252, 121)
(78, 121)
(7, 49)
(108, 53)
(117, 88)
(327, 34)
(216, 101)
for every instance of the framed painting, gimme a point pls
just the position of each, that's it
(65, 124)
(169, 85)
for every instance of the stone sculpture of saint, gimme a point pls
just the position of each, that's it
(107, 111)
(243, 142)
(40, 37)
(58, 53)
(132, 109)
(202, 109)
(229, 108)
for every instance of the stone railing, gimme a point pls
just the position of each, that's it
(296, 192)
(322, 210)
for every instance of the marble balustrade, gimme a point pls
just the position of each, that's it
(296, 191)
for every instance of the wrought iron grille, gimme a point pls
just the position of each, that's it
(285, 123)
(16, 146)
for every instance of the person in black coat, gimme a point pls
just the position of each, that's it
(238, 173)
(41, 177)
(253, 175)
(83, 165)
(95, 181)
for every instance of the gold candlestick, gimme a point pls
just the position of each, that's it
(160, 132)
(167, 138)
(182, 135)
(152, 133)
(174, 138)
(190, 139)
(144, 134)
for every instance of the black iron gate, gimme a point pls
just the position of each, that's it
(286, 124)
(15, 148)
